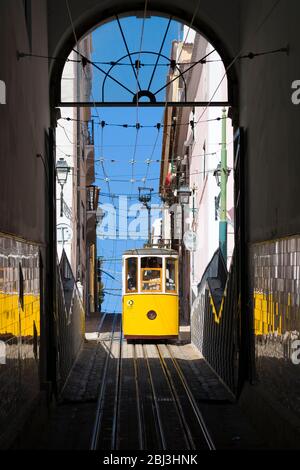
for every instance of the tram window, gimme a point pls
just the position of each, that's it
(151, 274)
(131, 270)
(171, 275)
(151, 279)
(151, 262)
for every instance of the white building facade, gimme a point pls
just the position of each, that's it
(203, 148)
(77, 200)
(190, 157)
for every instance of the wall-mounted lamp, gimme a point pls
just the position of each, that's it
(183, 194)
(217, 174)
(62, 171)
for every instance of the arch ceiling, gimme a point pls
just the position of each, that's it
(218, 21)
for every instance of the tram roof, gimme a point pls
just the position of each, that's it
(150, 252)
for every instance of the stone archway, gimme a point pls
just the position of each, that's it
(218, 24)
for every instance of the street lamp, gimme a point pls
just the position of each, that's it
(184, 194)
(62, 171)
(218, 174)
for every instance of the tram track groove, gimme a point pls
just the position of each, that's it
(114, 437)
(140, 411)
(145, 401)
(129, 427)
(192, 401)
(148, 421)
(157, 415)
(101, 323)
(101, 396)
(186, 430)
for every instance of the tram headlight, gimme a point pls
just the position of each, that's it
(151, 315)
(130, 303)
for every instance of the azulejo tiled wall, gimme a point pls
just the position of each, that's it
(276, 305)
(213, 319)
(19, 327)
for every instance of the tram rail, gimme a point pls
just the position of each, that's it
(185, 428)
(158, 420)
(196, 411)
(147, 401)
(100, 402)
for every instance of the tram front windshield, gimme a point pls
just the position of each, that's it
(151, 274)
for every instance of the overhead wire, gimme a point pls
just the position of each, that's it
(234, 60)
(182, 47)
(148, 161)
(135, 146)
(83, 63)
(113, 160)
(66, 133)
(151, 156)
(137, 106)
(137, 86)
(139, 125)
(250, 55)
(155, 179)
(189, 28)
(76, 41)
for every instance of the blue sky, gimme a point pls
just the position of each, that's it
(117, 143)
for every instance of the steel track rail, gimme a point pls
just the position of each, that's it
(141, 426)
(155, 401)
(101, 323)
(197, 412)
(185, 427)
(99, 410)
(114, 437)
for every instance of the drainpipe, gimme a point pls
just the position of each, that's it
(223, 198)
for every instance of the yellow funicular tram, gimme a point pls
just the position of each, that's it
(150, 293)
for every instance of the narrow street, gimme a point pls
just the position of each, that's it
(126, 396)
(149, 227)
